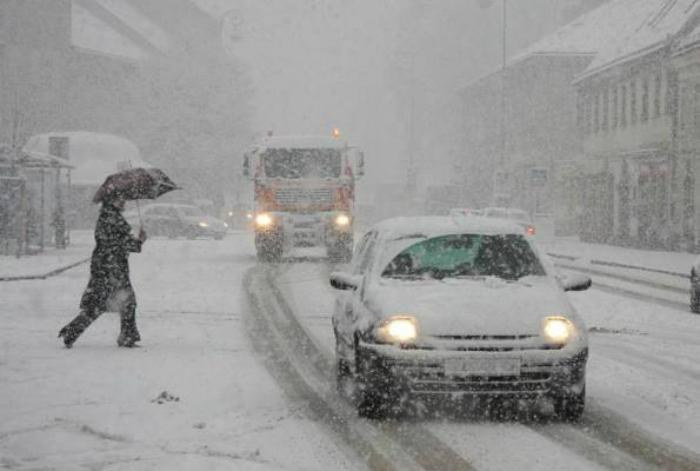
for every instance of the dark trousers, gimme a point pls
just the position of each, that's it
(128, 334)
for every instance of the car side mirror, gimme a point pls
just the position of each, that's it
(575, 282)
(345, 281)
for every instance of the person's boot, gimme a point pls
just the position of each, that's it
(71, 331)
(129, 334)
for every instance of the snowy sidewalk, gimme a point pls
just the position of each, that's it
(51, 260)
(572, 250)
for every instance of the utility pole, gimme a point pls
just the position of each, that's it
(504, 43)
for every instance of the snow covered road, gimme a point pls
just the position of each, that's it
(96, 406)
(244, 355)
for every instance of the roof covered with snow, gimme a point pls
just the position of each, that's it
(586, 34)
(441, 225)
(643, 27)
(94, 156)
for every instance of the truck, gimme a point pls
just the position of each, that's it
(304, 194)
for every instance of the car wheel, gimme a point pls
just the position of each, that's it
(344, 380)
(695, 300)
(373, 395)
(269, 248)
(569, 407)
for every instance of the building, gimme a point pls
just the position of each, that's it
(520, 137)
(635, 115)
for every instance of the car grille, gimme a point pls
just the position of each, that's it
(484, 343)
(431, 378)
(314, 196)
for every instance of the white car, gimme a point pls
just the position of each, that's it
(464, 212)
(447, 307)
(176, 220)
(520, 217)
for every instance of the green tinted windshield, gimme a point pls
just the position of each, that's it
(504, 256)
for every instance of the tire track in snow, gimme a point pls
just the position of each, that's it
(638, 358)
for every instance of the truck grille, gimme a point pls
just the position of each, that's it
(304, 196)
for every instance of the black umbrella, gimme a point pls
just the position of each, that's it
(134, 184)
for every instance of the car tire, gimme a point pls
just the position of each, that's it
(372, 392)
(268, 248)
(344, 380)
(569, 407)
(695, 300)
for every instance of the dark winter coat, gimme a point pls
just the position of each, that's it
(109, 287)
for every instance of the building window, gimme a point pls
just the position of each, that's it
(633, 102)
(596, 113)
(588, 125)
(615, 110)
(671, 85)
(606, 108)
(623, 106)
(645, 99)
(657, 95)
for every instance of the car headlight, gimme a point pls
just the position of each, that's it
(203, 224)
(557, 330)
(226, 225)
(397, 329)
(342, 220)
(263, 220)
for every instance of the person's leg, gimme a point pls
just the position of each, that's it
(128, 334)
(71, 331)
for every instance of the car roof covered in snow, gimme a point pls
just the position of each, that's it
(301, 142)
(433, 226)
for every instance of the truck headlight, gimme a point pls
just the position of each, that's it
(398, 329)
(342, 220)
(263, 220)
(557, 330)
(203, 224)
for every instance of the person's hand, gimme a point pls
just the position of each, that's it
(142, 235)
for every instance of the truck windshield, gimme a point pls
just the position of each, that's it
(302, 163)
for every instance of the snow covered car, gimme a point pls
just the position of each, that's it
(695, 287)
(456, 307)
(178, 220)
(520, 217)
(464, 212)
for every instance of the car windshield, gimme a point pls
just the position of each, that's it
(302, 163)
(507, 256)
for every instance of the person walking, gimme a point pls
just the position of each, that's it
(109, 288)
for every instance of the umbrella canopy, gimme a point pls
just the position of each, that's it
(134, 184)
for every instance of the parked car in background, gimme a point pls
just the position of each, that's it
(695, 287)
(442, 308)
(177, 220)
(520, 217)
(463, 212)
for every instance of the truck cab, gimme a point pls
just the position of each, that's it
(304, 194)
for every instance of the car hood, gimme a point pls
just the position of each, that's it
(487, 306)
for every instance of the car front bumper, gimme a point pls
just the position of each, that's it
(427, 373)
